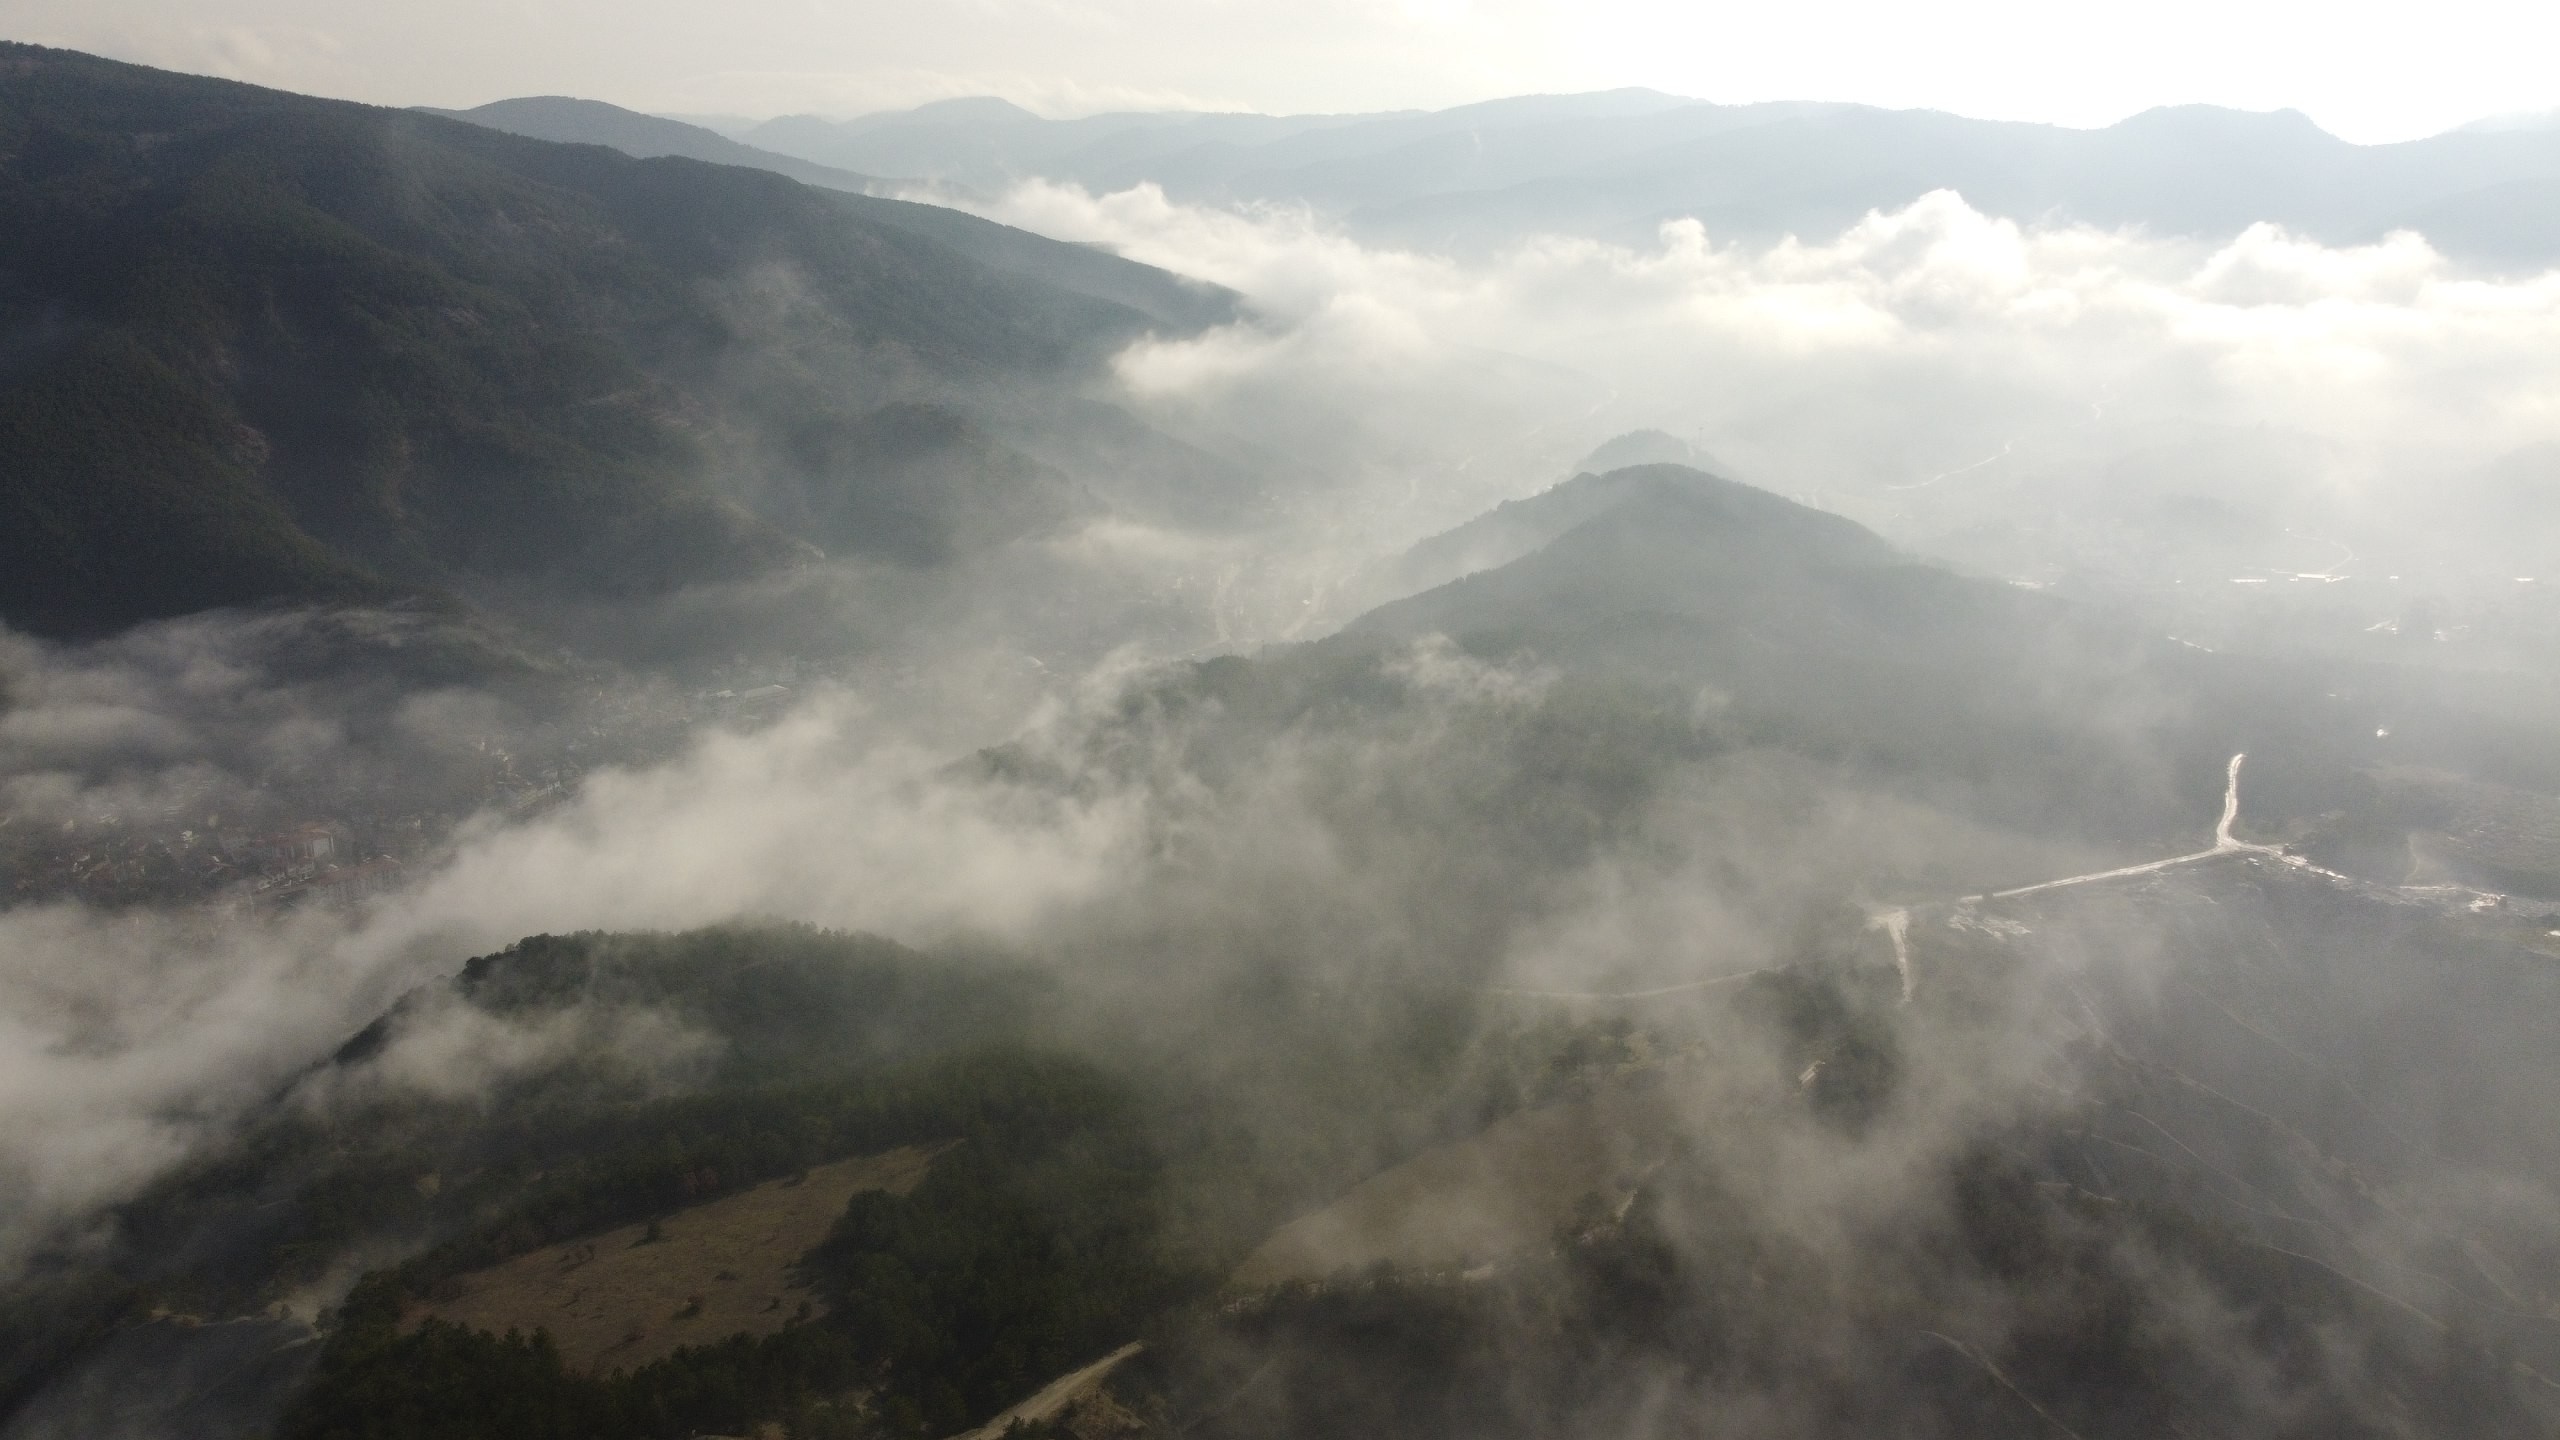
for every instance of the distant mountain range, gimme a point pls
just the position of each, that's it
(646, 137)
(1617, 164)
(259, 346)
(1932, 1028)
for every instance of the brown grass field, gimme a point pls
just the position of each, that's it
(722, 1268)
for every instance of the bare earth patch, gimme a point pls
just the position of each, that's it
(617, 1301)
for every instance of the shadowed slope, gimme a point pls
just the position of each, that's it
(254, 346)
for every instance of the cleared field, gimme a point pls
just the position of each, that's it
(1474, 1200)
(619, 1300)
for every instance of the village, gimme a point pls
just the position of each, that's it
(337, 838)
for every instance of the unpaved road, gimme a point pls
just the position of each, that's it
(1055, 1396)
(2223, 844)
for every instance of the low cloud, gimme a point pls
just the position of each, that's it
(1163, 840)
(1927, 370)
(128, 1039)
(1924, 371)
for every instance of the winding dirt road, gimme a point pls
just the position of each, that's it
(2224, 843)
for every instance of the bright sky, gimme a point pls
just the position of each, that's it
(2365, 70)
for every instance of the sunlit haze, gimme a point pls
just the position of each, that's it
(2368, 72)
(1279, 720)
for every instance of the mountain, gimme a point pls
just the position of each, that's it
(1169, 299)
(2523, 120)
(1619, 163)
(1648, 447)
(1177, 303)
(1709, 954)
(647, 137)
(988, 142)
(1801, 630)
(260, 346)
(1517, 527)
(2220, 1138)
(2511, 223)
(1394, 159)
(1654, 539)
(1680, 963)
(1815, 634)
(2194, 170)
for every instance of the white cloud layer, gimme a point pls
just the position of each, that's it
(125, 1040)
(1411, 392)
(1865, 371)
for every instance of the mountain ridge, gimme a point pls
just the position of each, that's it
(270, 347)
(1615, 165)
(572, 121)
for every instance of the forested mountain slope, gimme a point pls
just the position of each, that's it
(1673, 836)
(262, 346)
(1167, 298)
(1660, 614)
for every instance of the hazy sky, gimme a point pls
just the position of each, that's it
(2365, 70)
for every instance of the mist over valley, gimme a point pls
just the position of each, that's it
(1591, 764)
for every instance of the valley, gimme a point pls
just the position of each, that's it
(1595, 764)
